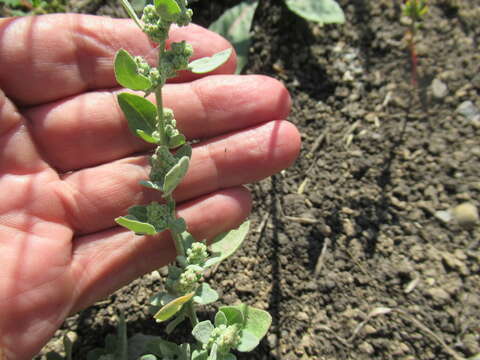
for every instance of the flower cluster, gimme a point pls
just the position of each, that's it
(225, 336)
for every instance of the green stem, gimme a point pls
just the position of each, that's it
(159, 100)
(176, 236)
(128, 8)
(191, 313)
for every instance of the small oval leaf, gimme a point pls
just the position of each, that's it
(320, 11)
(170, 309)
(147, 137)
(136, 226)
(234, 25)
(248, 341)
(167, 8)
(220, 319)
(175, 175)
(126, 72)
(227, 243)
(233, 315)
(207, 64)
(257, 321)
(202, 331)
(205, 295)
(141, 114)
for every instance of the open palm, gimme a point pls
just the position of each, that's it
(69, 166)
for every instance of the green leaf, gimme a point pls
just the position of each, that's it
(220, 319)
(320, 11)
(202, 331)
(213, 352)
(138, 227)
(138, 5)
(168, 349)
(175, 175)
(205, 295)
(147, 137)
(126, 72)
(253, 322)
(248, 341)
(210, 63)
(170, 309)
(185, 150)
(176, 141)
(178, 225)
(227, 243)
(141, 114)
(167, 9)
(234, 25)
(233, 315)
(148, 357)
(257, 321)
(187, 239)
(140, 344)
(151, 185)
(227, 357)
(199, 355)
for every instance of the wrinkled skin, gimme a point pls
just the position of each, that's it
(69, 165)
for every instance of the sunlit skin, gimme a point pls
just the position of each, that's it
(69, 165)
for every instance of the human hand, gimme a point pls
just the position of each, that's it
(69, 165)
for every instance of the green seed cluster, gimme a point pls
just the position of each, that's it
(225, 336)
(189, 279)
(162, 161)
(175, 59)
(148, 71)
(155, 27)
(157, 215)
(197, 254)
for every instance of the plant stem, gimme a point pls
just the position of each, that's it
(190, 307)
(159, 99)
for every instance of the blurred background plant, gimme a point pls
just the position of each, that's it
(414, 11)
(31, 7)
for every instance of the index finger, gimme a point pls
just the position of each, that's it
(49, 57)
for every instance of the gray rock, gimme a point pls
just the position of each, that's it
(366, 348)
(466, 215)
(443, 215)
(468, 109)
(439, 89)
(438, 294)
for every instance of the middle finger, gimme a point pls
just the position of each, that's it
(93, 125)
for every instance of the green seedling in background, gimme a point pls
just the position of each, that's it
(32, 7)
(415, 11)
(235, 23)
(239, 327)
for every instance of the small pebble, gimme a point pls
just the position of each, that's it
(466, 215)
(439, 89)
(468, 109)
(366, 348)
(443, 215)
(438, 294)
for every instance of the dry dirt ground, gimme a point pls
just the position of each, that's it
(349, 251)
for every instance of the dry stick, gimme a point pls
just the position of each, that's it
(408, 317)
(430, 333)
(263, 223)
(301, 220)
(321, 258)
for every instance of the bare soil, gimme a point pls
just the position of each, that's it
(348, 252)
